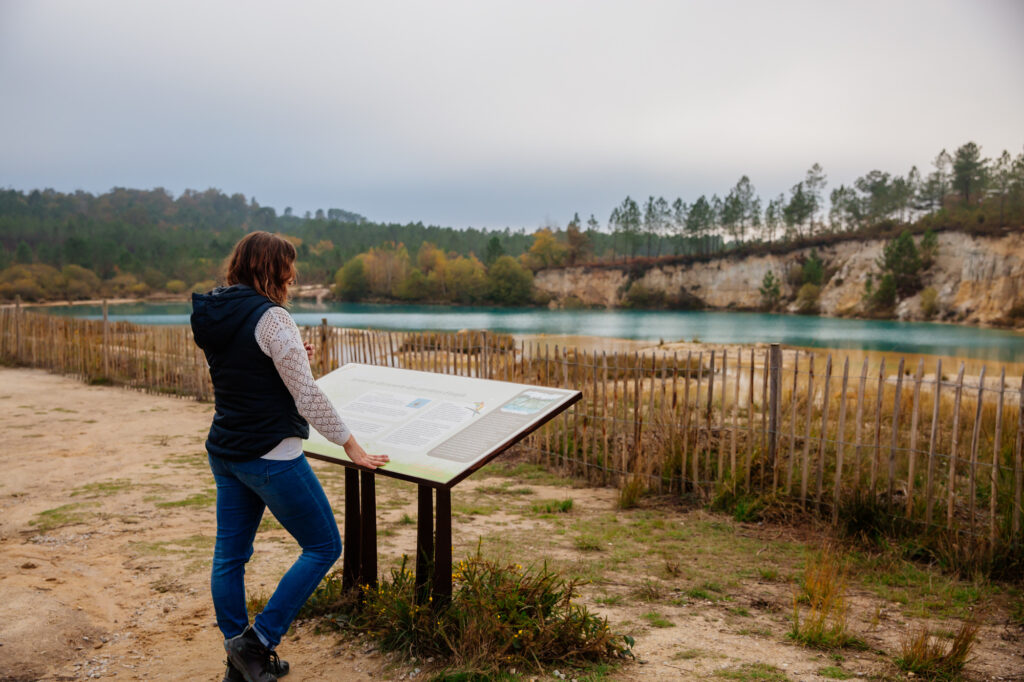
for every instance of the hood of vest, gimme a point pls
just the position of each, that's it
(217, 316)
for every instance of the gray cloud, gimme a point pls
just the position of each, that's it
(496, 113)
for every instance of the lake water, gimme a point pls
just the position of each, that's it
(711, 327)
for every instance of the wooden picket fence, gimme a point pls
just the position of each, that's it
(941, 451)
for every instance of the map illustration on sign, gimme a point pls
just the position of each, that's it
(436, 428)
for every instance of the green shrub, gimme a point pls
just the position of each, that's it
(79, 283)
(640, 296)
(552, 506)
(501, 616)
(928, 249)
(508, 282)
(413, 287)
(929, 302)
(883, 298)
(813, 270)
(901, 260)
(770, 291)
(350, 282)
(631, 492)
(35, 282)
(125, 285)
(203, 286)
(175, 286)
(807, 299)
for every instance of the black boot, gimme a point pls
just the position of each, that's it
(251, 659)
(279, 667)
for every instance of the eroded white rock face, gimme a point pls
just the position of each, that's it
(977, 279)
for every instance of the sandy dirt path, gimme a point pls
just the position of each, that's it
(106, 533)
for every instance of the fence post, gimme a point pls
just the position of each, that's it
(106, 342)
(17, 328)
(997, 444)
(323, 347)
(484, 370)
(897, 402)
(1018, 465)
(774, 401)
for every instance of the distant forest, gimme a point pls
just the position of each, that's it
(130, 242)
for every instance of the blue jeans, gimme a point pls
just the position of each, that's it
(293, 493)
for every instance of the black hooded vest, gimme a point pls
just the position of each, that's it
(253, 409)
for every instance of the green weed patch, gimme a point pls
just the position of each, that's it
(501, 616)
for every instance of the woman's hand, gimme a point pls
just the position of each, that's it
(359, 456)
(310, 349)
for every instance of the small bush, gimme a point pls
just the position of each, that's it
(924, 655)
(901, 259)
(743, 507)
(867, 520)
(807, 299)
(770, 291)
(351, 282)
(203, 286)
(573, 303)
(508, 282)
(175, 286)
(641, 296)
(552, 506)
(501, 616)
(813, 270)
(929, 302)
(752, 671)
(630, 493)
(883, 297)
(747, 508)
(824, 587)
(657, 620)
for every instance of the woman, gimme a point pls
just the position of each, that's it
(264, 396)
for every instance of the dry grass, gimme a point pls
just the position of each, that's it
(926, 656)
(824, 588)
(653, 422)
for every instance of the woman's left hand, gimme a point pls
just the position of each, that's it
(310, 349)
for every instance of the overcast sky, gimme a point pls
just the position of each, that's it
(496, 113)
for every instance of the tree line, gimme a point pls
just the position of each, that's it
(130, 242)
(963, 190)
(134, 242)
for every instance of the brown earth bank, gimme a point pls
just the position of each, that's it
(978, 280)
(107, 526)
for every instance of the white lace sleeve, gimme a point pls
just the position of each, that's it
(279, 338)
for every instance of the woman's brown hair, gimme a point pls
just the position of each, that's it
(264, 262)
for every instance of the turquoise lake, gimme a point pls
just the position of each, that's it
(710, 327)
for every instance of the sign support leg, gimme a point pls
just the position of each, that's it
(424, 542)
(442, 590)
(368, 541)
(350, 564)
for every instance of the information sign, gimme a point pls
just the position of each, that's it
(436, 428)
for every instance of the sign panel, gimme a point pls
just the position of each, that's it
(436, 428)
